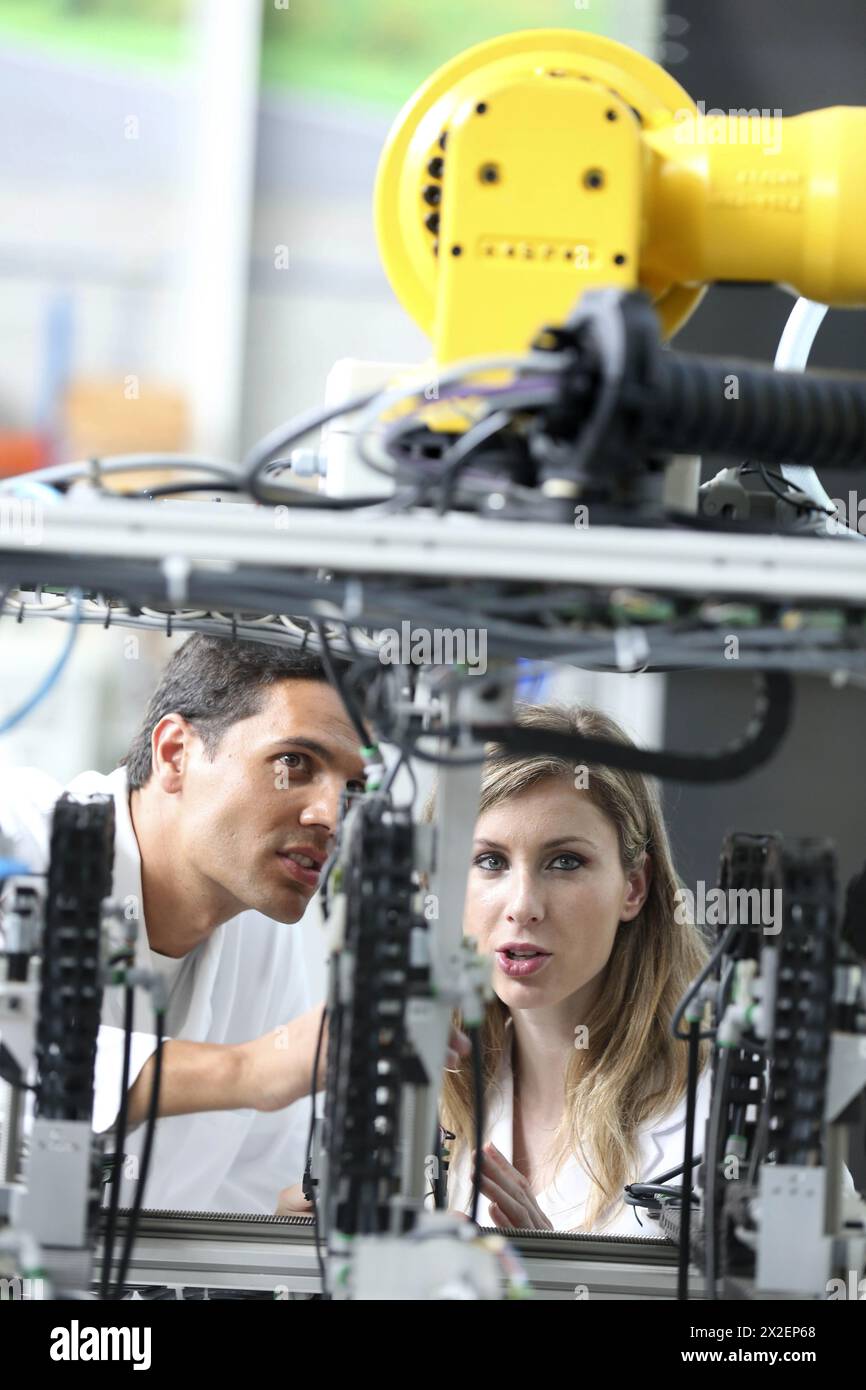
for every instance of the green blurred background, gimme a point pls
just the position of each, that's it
(376, 51)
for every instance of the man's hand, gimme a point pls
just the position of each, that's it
(292, 1202)
(266, 1074)
(509, 1193)
(277, 1070)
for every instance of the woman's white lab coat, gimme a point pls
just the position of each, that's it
(564, 1200)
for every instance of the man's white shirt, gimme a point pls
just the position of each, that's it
(247, 978)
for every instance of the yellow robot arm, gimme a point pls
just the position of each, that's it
(537, 165)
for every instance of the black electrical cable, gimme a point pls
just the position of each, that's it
(252, 593)
(718, 952)
(646, 1194)
(308, 1157)
(763, 737)
(439, 1188)
(775, 701)
(340, 686)
(401, 761)
(119, 1144)
(685, 1242)
(804, 505)
(303, 499)
(435, 1180)
(766, 472)
(391, 775)
(144, 1169)
(456, 457)
(257, 591)
(762, 1129)
(288, 434)
(723, 525)
(673, 1172)
(814, 417)
(515, 400)
(300, 498)
(62, 476)
(711, 1171)
(11, 1073)
(176, 489)
(478, 1086)
(363, 665)
(442, 760)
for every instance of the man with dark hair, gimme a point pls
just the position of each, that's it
(226, 809)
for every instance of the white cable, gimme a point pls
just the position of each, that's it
(131, 463)
(798, 335)
(271, 628)
(792, 354)
(28, 485)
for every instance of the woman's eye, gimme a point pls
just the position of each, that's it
(480, 861)
(573, 861)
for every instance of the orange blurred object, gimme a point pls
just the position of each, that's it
(21, 452)
(104, 417)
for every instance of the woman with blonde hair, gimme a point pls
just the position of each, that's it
(572, 891)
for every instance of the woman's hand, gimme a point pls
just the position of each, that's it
(459, 1046)
(509, 1193)
(292, 1202)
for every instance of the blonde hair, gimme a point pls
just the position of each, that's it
(633, 1070)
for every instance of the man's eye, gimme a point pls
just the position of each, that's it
(355, 787)
(300, 760)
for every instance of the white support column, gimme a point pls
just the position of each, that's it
(642, 24)
(227, 39)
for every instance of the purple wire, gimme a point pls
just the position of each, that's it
(496, 390)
